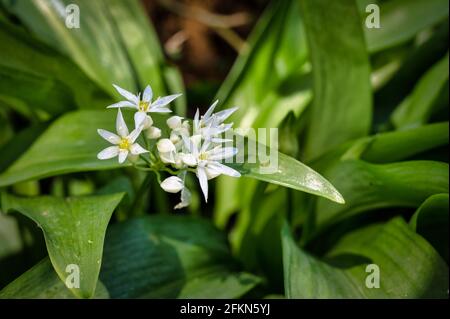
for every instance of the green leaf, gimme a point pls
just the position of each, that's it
(74, 230)
(401, 20)
(431, 221)
(267, 81)
(409, 266)
(288, 172)
(173, 257)
(373, 186)
(70, 144)
(342, 106)
(42, 78)
(41, 282)
(398, 145)
(417, 108)
(18, 144)
(115, 42)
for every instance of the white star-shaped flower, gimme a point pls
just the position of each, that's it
(144, 105)
(124, 142)
(210, 125)
(207, 160)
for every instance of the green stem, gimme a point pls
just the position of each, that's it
(139, 197)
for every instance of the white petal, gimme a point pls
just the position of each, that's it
(121, 126)
(172, 184)
(220, 140)
(148, 94)
(108, 152)
(223, 169)
(164, 145)
(122, 155)
(136, 149)
(203, 179)
(185, 199)
(110, 137)
(163, 101)
(159, 110)
(218, 154)
(223, 115)
(134, 135)
(128, 95)
(122, 104)
(211, 172)
(139, 118)
(196, 121)
(174, 122)
(210, 110)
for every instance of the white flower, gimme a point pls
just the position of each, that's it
(144, 105)
(124, 142)
(207, 161)
(210, 125)
(172, 184)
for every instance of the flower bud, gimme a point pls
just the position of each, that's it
(174, 122)
(153, 132)
(172, 184)
(164, 145)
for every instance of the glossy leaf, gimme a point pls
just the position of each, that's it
(431, 221)
(401, 20)
(408, 265)
(173, 257)
(373, 186)
(35, 74)
(267, 80)
(417, 108)
(102, 45)
(398, 145)
(342, 107)
(70, 144)
(41, 282)
(74, 230)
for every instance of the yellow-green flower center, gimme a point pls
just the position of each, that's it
(203, 156)
(143, 106)
(124, 144)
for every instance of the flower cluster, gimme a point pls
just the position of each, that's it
(191, 147)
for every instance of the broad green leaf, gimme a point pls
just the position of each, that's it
(401, 20)
(417, 108)
(431, 221)
(367, 186)
(172, 257)
(288, 173)
(74, 230)
(342, 106)
(94, 46)
(408, 265)
(18, 144)
(71, 144)
(42, 78)
(398, 145)
(114, 43)
(267, 81)
(41, 282)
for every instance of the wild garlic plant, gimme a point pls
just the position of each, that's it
(190, 147)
